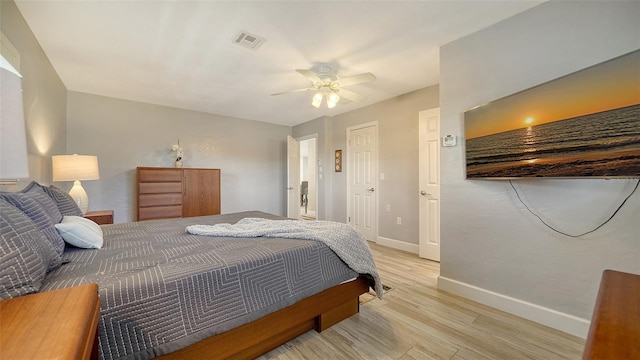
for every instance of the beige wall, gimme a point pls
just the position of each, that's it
(44, 96)
(491, 245)
(126, 134)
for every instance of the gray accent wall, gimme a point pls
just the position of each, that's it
(397, 120)
(125, 134)
(44, 96)
(321, 127)
(489, 240)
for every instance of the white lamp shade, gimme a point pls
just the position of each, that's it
(14, 163)
(75, 167)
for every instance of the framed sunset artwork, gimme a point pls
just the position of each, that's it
(586, 124)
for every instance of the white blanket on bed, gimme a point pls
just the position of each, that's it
(346, 241)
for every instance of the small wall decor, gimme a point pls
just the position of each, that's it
(338, 161)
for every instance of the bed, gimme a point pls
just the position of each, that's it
(170, 294)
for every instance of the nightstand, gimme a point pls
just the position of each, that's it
(58, 324)
(101, 217)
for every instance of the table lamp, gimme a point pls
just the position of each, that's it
(75, 168)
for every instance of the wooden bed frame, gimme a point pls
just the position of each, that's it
(256, 338)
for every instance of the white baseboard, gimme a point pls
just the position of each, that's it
(564, 322)
(397, 244)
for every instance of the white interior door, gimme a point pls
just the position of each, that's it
(362, 167)
(293, 178)
(429, 192)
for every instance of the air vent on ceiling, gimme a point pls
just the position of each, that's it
(248, 40)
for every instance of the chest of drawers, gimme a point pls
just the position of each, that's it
(174, 192)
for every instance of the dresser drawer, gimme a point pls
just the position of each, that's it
(160, 175)
(159, 212)
(146, 200)
(160, 188)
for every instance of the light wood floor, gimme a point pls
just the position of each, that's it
(417, 321)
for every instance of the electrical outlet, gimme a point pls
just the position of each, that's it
(399, 220)
(388, 207)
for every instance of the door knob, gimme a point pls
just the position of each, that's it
(290, 188)
(370, 190)
(424, 193)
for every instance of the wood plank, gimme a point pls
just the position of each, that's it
(615, 326)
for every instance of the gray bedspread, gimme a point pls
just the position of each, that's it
(345, 240)
(162, 289)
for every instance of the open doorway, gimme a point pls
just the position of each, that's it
(308, 178)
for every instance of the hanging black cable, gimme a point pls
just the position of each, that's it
(563, 233)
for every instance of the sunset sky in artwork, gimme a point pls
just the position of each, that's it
(606, 86)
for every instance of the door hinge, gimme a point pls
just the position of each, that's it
(349, 219)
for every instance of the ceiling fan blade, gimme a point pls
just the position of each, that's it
(313, 77)
(350, 95)
(292, 91)
(355, 79)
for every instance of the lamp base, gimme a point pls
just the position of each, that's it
(79, 196)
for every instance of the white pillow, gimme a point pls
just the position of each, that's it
(80, 232)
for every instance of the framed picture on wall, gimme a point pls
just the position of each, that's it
(584, 124)
(338, 161)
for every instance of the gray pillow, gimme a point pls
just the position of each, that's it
(25, 254)
(41, 209)
(63, 200)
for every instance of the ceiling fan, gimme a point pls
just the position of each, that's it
(327, 85)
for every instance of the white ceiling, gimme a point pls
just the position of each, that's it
(181, 53)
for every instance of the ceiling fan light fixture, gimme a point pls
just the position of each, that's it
(332, 100)
(317, 100)
(326, 85)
